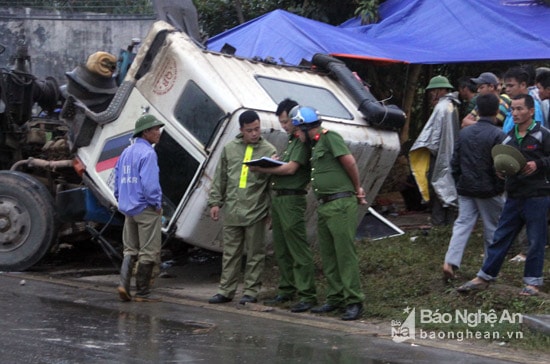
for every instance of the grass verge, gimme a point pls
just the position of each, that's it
(405, 271)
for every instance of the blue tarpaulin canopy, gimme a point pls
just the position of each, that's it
(413, 31)
(289, 38)
(463, 31)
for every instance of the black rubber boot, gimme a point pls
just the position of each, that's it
(126, 277)
(143, 283)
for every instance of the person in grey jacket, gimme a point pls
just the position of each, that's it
(430, 156)
(480, 191)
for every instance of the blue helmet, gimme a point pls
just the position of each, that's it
(303, 115)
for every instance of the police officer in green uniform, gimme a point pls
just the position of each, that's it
(245, 198)
(335, 182)
(292, 251)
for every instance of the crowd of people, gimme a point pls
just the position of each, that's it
(491, 162)
(488, 158)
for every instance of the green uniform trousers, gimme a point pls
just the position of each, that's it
(292, 251)
(142, 236)
(336, 224)
(239, 240)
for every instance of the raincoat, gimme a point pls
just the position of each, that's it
(436, 141)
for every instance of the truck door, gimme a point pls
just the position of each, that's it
(182, 153)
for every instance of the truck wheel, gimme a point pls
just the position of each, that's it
(27, 221)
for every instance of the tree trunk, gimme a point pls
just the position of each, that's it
(410, 92)
(239, 11)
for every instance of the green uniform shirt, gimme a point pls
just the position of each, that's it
(244, 194)
(328, 176)
(298, 152)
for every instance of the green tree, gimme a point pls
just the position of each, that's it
(216, 16)
(368, 11)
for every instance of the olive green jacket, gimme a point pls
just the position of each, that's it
(298, 152)
(328, 176)
(243, 194)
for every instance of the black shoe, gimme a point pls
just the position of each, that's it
(301, 307)
(277, 300)
(327, 307)
(247, 299)
(353, 312)
(218, 298)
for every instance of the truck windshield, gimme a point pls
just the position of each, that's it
(323, 100)
(198, 113)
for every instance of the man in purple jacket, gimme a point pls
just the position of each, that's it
(139, 196)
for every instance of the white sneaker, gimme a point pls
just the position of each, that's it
(520, 258)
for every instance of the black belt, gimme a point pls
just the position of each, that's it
(290, 192)
(334, 196)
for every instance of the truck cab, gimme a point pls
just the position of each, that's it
(198, 95)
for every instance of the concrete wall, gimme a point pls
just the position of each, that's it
(59, 42)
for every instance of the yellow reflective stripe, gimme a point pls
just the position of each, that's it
(244, 170)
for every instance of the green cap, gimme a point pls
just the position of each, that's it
(145, 122)
(507, 159)
(439, 82)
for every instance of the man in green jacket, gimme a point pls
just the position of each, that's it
(335, 182)
(245, 197)
(292, 250)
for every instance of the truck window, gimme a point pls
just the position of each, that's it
(317, 97)
(198, 113)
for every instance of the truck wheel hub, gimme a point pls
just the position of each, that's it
(14, 224)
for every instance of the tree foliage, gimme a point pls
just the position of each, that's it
(216, 16)
(368, 11)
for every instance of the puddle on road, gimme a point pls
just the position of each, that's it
(142, 334)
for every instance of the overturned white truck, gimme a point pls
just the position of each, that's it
(199, 95)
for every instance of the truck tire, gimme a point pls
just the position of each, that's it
(28, 224)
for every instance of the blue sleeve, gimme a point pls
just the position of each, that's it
(149, 175)
(538, 114)
(116, 181)
(116, 171)
(508, 123)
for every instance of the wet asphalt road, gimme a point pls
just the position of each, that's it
(43, 322)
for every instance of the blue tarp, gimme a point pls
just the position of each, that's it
(464, 30)
(412, 31)
(289, 38)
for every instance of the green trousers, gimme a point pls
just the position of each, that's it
(239, 240)
(292, 251)
(337, 224)
(142, 236)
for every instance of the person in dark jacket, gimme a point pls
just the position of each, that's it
(480, 191)
(526, 204)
